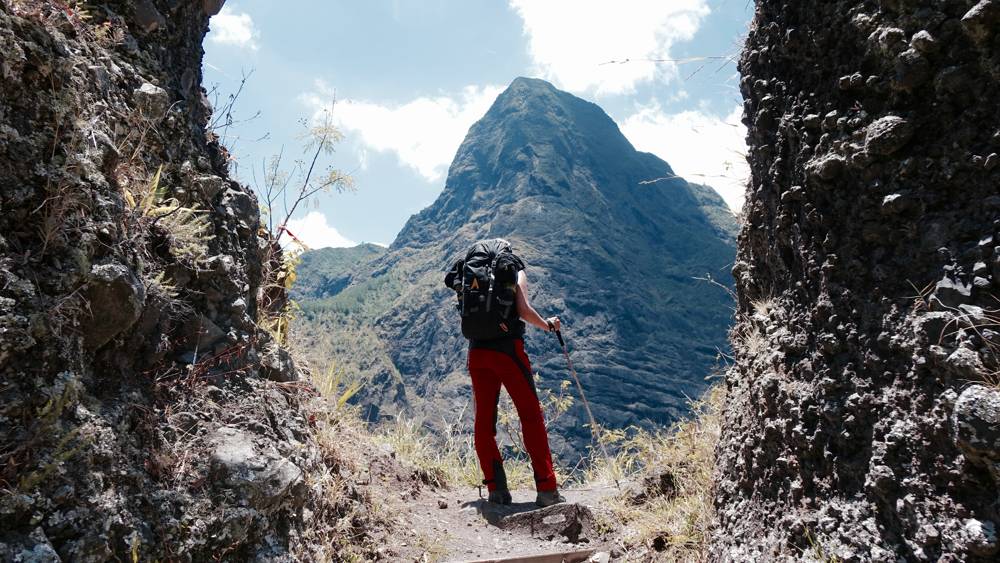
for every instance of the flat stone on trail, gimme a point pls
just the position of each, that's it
(571, 522)
(583, 556)
(521, 532)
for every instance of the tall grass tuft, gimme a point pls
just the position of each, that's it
(668, 511)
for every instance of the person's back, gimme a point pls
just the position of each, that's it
(492, 290)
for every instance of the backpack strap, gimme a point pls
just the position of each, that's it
(493, 269)
(463, 288)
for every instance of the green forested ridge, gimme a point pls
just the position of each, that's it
(327, 271)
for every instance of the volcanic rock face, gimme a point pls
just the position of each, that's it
(614, 257)
(135, 423)
(868, 287)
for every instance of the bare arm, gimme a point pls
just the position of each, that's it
(528, 313)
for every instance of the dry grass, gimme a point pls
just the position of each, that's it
(672, 525)
(348, 521)
(763, 307)
(748, 334)
(985, 326)
(188, 230)
(445, 462)
(748, 338)
(450, 460)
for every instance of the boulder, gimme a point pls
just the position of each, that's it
(260, 476)
(115, 298)
(277, 364)
(15, 330)
(36, 548)
(966, 364)
(201, 334)
(982, 20)
(887, 135)
(209, 185)
(950, 293)
(148, 17)
(241, 206)
(912, 70)
(976, 424)
(981, 537)
(891, 40)
(924, 42)
(826, 167)
(152, 100)
(212, 7)
(572, 522)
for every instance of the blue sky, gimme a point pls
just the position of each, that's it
(410, 77)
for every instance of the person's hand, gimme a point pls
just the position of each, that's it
(554, 324)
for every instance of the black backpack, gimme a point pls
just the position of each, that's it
(485, 282)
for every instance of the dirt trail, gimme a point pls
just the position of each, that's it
(461, 526)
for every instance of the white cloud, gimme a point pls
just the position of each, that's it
(315, 232)
(570, 39)
(424, 133)
(701, 147)
(230, 27)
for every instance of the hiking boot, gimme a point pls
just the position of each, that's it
(500, 496)
(548, 498)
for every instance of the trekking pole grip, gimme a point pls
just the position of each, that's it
(559, 336)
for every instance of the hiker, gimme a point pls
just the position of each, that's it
(492, 290)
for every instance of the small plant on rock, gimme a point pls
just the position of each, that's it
(283, 191)
(186, 228)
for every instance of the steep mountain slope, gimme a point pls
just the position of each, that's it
(862, 416)
(613, 256)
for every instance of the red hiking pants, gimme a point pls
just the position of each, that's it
(509, 366)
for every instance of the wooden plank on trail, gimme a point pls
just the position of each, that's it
(561, 557)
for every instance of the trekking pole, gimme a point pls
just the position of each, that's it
(586, 405)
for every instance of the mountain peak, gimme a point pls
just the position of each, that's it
(538, 142)
(524, 85)
(539, 100)
(532, 115)
(528, 82)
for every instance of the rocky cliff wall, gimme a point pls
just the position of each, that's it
(863, 408)
(143, 413)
